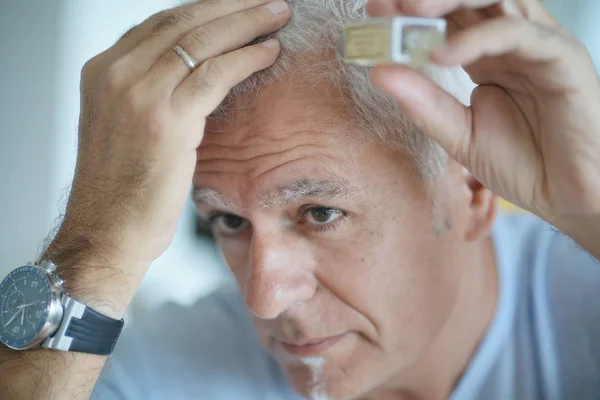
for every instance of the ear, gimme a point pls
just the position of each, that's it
(483, 208)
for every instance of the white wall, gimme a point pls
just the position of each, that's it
(29, 58)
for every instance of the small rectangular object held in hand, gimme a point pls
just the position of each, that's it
(398, 40)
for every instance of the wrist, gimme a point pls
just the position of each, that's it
(95, 274)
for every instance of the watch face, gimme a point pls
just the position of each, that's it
(25, 297)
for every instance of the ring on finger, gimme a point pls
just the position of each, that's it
(186, 57)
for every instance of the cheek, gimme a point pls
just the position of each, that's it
(396, 278)
(236, 252)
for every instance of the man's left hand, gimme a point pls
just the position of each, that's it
(532, 132)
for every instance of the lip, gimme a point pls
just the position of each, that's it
(310, 347)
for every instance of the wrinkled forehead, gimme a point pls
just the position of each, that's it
(286, 136)
(282, 109)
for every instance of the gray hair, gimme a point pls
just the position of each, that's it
(313, 30)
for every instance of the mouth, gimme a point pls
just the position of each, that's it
(310, 347)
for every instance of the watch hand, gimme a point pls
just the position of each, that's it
(22, 316)
(27, 305)
(13, 317)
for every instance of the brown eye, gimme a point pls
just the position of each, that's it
(228, 223)
(323, 215)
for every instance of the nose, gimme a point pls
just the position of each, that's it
(281, 274)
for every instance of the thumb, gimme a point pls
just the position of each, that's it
(434, 111)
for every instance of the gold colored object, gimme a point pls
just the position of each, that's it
(398, 40)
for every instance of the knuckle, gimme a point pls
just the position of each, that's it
(201, 85)
(220, 3)
(244, 3)
(252, 13)
(112, 77)
(163, 20)
(202, 36)
(129, 32)
(93, 67)
(185, 15)
(212, 70)
(208, 75)
(87, 70)
(132, 100)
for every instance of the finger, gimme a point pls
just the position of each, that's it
(166, 27)
(141, 47)
(207, 86)
(218, 37)
(527, 40)
(381, 8)
(434, 111)
(429, 8)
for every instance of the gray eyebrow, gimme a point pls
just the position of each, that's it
(307, 188)
(282, 195)
(211, 197)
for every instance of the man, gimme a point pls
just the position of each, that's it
(361, 250)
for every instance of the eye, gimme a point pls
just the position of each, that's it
(322, 215)
(228, 224)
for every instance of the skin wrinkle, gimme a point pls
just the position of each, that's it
(258, 176)
(204, 195)
(225, 164)
(364, 315)
(270, 154)
(369, 320)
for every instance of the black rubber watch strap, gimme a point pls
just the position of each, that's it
(94, 333)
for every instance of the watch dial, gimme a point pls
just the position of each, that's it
(25, 297)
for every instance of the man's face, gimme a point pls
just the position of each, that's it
(332, 240)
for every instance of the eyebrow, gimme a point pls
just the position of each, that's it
(307, 188)
(211, 198)
(285, 194)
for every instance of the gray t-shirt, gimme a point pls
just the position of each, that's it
(543, 342)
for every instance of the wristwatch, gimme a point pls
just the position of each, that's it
(35, 311)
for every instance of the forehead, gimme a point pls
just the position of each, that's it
(291, 133)
(287, 129)
(283, 112)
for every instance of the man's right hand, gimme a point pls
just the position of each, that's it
(142, 119)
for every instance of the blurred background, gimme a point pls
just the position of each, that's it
(43, 46)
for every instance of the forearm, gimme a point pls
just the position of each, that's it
(48, 374)
(98, 282)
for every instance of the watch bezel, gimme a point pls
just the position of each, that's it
(54, 311)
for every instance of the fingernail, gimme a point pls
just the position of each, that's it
(277, 7)
(271, 43)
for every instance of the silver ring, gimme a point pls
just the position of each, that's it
(185, 56)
